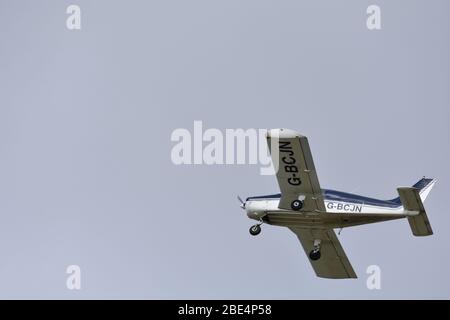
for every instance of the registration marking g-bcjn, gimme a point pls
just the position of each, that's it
(346, 207)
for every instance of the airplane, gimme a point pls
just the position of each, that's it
(313, 213)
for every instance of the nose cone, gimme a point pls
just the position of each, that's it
(253, 210)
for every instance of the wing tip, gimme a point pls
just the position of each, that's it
(343, 277)
(283, 133)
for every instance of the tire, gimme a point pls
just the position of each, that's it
(255, 230)
(314, 255)
(296, 205)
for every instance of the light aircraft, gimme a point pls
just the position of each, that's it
(312, 212)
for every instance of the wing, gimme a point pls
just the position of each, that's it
(333, 262)
(296, 173)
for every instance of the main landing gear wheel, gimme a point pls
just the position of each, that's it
(296, 205)
(314, 255)
(255, 230)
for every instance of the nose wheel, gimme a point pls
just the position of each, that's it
(255, 230)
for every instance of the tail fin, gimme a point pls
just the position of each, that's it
(412, 200)
(424, 186)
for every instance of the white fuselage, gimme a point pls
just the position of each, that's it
(338, 213)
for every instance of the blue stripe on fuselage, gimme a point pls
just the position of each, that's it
(333, 195)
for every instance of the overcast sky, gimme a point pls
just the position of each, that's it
(86, 116)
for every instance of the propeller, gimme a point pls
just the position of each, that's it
(242, 202)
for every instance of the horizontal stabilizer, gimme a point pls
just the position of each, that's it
(411, 201)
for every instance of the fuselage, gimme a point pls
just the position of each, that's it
(342, 210)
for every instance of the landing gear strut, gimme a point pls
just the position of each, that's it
(296, 205)
(315, 253)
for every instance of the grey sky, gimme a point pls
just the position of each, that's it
(85, 124)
